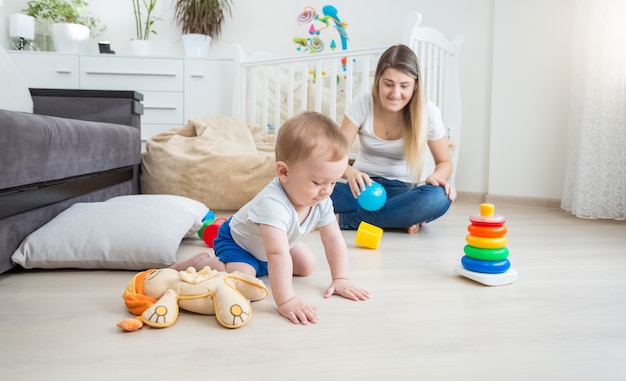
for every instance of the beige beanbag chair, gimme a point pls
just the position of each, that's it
(220, 161)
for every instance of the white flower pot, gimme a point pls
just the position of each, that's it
(70, 38)
(141, 47)
(196, 45)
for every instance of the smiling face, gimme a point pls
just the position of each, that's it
(396, 81)
(395, 89)
(311, 180)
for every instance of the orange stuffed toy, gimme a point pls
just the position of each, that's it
(155, 296)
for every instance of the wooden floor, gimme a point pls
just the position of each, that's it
(563, 319)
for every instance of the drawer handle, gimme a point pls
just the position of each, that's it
(133, 74)
(159, 107)
(197, 76)
(64, 71)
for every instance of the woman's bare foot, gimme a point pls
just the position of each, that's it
(415, 228)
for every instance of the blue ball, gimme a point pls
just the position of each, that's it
(373, 197)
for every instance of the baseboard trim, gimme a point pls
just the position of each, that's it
(509, 200)
(471, 197)
(524, 201)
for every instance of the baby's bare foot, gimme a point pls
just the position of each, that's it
(196, 261)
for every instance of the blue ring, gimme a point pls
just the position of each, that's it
(487, 267)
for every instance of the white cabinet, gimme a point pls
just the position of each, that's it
(161, 112)
(148, 74)
(208, 87)
(174, 89)
(48, 70)
(163, 107)
(160, 80)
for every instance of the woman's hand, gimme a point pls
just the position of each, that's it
(357, 180)
(439, 182)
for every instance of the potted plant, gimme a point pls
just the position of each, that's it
(200, 21)
(70, 25)
(144, 21)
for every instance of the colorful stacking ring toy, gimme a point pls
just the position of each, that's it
(486, 254)
(488, 267)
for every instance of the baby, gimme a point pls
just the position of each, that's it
(264, 236)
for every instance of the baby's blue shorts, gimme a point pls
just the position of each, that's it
(227, 250)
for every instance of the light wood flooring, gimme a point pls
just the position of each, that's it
(563, 319)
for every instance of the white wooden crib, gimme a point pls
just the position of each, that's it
(268, 90)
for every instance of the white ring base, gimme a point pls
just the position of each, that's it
(502, 279)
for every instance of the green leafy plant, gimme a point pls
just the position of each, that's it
(201, 16)
(143, 24)
(64, 11)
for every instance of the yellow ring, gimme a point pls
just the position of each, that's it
(486, 243)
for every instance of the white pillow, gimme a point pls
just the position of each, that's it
(14, 93)
(134, 232)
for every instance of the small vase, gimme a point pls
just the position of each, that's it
(196, 45)
(141, 47)
(70, 38)
(43, 36)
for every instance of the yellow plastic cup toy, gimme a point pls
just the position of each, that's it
(368, 235)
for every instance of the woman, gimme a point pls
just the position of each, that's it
(394, 124)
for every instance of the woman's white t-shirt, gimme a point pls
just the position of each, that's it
(384, 158)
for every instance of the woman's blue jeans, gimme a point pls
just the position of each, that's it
(406, 205)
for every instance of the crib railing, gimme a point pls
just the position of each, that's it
(439, 67)
(270, 90)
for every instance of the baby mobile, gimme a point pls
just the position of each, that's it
(313, 43)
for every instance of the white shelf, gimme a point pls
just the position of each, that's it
(174, 89)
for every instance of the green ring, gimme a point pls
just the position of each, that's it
(204, 225)
(486, 254)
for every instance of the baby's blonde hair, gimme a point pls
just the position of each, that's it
(308, 132)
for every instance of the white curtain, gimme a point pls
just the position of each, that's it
(595, 177)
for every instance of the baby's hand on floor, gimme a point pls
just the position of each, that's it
(346, 289)
(298, 312)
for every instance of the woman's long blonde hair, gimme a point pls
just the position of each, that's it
(401, 57)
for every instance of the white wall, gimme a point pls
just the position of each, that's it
(512, 80)
(530, 100)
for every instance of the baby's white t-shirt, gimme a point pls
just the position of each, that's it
(272, 207)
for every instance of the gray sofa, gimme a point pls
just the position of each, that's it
(77, 146)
